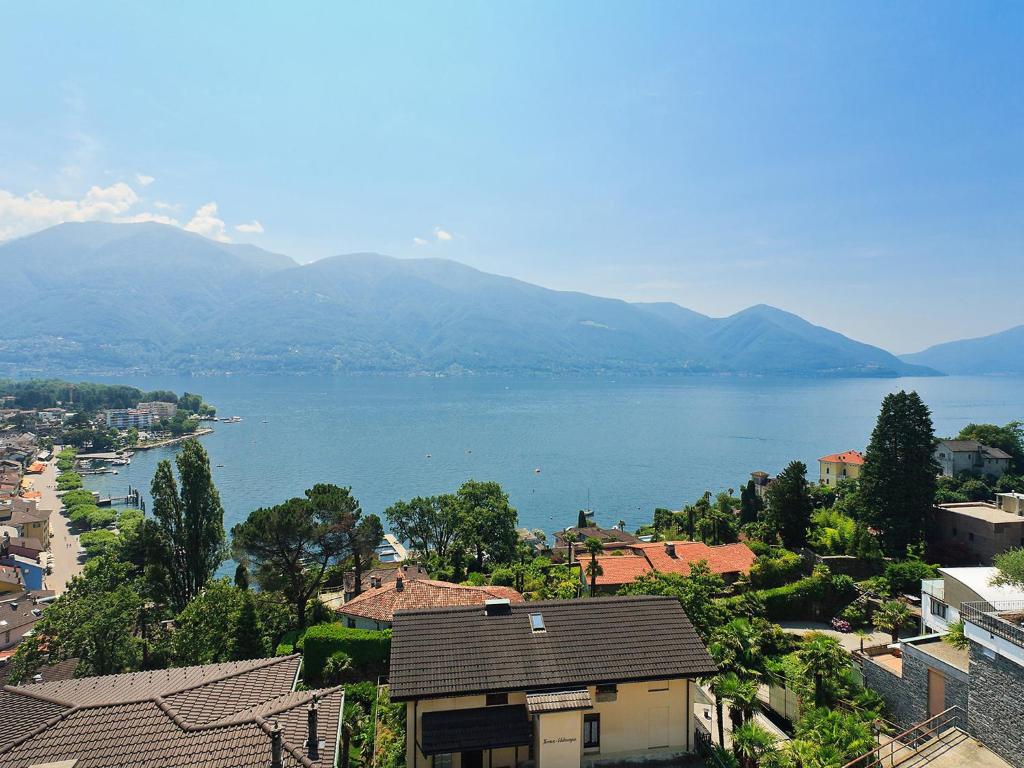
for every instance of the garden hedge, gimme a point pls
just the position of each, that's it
(370, 650)
(814, 598)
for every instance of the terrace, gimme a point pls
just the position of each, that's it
(1003, 619)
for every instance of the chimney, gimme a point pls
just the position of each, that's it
(276, 759)
(313, 742)
(399, 583)
(670, 549)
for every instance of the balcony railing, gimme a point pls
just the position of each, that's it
(1003, 619)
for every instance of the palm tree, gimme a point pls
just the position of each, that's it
(594, 547)
(742, 697)
(822, 658)
(751, 742)
(891, 617)
(719, 688)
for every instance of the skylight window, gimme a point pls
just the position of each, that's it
(537, 622)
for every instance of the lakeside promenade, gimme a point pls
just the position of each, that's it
(64, 546)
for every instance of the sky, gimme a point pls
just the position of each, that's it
(860, 164)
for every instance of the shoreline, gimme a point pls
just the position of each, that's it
(172, 440)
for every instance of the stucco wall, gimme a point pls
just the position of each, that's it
(997, 704)
(661, 711)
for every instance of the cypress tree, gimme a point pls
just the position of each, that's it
(790, 505)
(899, 477)
(246, 631)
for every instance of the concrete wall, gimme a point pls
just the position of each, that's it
(906, 701)
(558, 739)
(971, 540)
(996, 711)
(359, 622)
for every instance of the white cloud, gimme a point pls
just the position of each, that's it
(418, 241)
(118, 202)
(205, 222)
(253, 228)
(442, 234)
(144, 180)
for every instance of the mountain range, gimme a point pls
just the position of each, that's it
(111, 298)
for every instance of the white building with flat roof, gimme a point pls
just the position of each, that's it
(941, 598)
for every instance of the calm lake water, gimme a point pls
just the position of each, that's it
(628, 446)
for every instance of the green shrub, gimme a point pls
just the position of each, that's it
(69, 481)
(288, 643)
(776, 569)
(369, 649)
(92, 516)
(817, 596)
(503, 577)
(77, 497)
(102, 542)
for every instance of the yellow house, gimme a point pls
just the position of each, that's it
(839, 466)
(30, 521)
(558, 683)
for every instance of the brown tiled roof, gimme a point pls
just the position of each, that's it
(461, 651)
(558, 701)
(380, 604)
(218, 715)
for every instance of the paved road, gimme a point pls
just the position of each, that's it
(64, 546)
(849, 640)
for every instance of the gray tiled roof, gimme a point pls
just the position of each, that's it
(215, 716)
(455, 651)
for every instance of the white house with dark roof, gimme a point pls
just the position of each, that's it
(956, 456)
(555, 684)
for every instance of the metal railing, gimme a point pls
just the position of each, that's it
(910, 740)
(706, 749)
(935, 588)
(990, 617)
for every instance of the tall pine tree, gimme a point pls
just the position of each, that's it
(898, 481)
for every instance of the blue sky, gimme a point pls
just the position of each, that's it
(861, 164)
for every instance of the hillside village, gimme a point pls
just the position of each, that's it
(869, 613)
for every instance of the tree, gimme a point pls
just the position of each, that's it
(363, 539)
(898, 480)
(822, 660)
(94, 621)
(429, 524)
(1011, 568)
(581, 519)
(290, 545)
(696, 592)
(594, 547)
(751, 743)
(189, 525)
(789, 504)
(891, 616)
(488, 522)
(242, 576)
(750, 503)
(225, 623)
(741, 693)
(247, 641)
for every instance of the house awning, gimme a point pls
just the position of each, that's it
(461, 730)
(558, 701)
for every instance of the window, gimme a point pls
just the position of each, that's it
(938, 608)
(443, 761)
(537, 622)
(970, 537)
(497, 699)
(607, 692)
(351, 623)
(591, 731)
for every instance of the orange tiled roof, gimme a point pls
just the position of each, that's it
(36, 467)
(846, 457)
(381, 604)
(32, 495)
(618, 569)
(725, 558)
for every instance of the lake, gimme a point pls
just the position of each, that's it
(622, 446)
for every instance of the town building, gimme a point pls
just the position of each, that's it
(956, 456)
(19, 612)
(27, 519)
(610, 538)
(941, 598)
(730, 561)
(126, 418)
(159, 409)
(376, 578)
(376, 607)
(836, 467)
(243, 713)
(761, 482)
(552, 684)
(972, 533)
